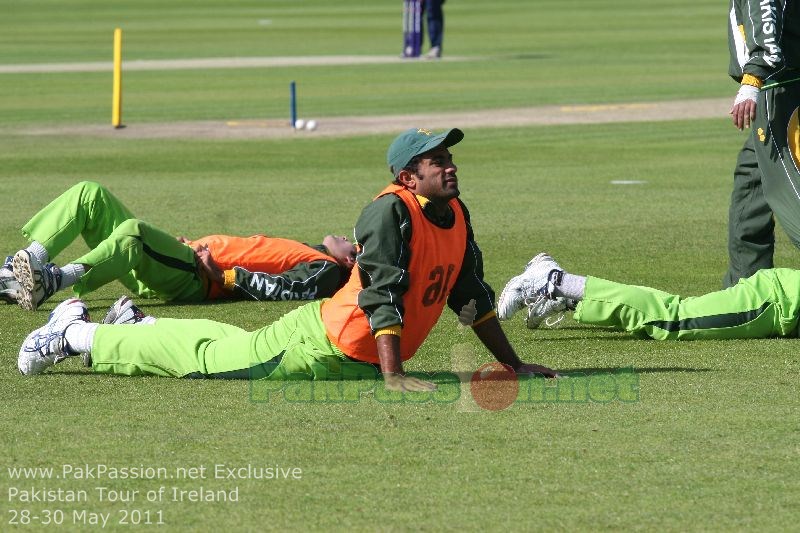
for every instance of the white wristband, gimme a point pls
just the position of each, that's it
(746, 92)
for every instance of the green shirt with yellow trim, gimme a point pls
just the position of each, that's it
(383, 265)
(764, 39)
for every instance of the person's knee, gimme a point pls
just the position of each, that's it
(133, 227)
(92, 192)
(89, 187)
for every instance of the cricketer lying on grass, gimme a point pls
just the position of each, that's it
(152, 263)
(767, 304)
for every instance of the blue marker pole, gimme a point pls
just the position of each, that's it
(293, 102)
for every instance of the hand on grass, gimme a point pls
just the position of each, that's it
(528, 368)
(401, 383)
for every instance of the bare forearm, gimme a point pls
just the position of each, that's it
(492, 336)
(392, 367)
(389, 354)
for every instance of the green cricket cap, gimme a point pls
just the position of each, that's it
(417, 141)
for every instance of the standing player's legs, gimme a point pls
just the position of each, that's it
(87, 209)
(293, 347)
(417, 28)
(763, 305)
(751, 228)
(412, 28)
(435, 22)
(155, 258)
(407, 50)
(777, 146)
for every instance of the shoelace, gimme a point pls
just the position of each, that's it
(555, 321)
(550, 322)
(536, 299)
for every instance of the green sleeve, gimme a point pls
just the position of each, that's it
(470, 283)
(383, 231)
(306, 281)
(765, 36)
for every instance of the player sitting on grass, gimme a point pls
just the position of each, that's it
(763, 305)
(417, 254)
(152, 263)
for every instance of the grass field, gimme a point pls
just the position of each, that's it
(711, 442)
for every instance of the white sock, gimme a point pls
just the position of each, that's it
(70, 274)
(38, 251)
(571, 286)
(80, 336)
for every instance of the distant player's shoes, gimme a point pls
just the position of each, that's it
(549, 312)
(9, 286)
(38, 282)
(47, 346)
(124, 311)
(434, 53)
(536, 283)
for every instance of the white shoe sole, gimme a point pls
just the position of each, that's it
(23, 271)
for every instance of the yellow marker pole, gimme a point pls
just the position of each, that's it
(116, 101)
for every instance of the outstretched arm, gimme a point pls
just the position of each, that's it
(472, 297)
(392, 367)
(494, 338)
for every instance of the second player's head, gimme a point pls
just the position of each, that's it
(341, 249)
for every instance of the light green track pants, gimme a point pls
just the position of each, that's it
(148, 261)
(293, 347)
(763, 305)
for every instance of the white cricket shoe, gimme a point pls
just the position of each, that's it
(124, 311)
(38, 282)
(551, 312)
(47, 346)
(536, 282)
(9, 286)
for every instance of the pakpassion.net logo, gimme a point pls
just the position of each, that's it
(492, 386)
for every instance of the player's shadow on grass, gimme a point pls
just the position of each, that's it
(592, 333)
(634, 370)
(466, 376)
(438, 377)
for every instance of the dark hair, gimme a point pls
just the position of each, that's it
(412, 166)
